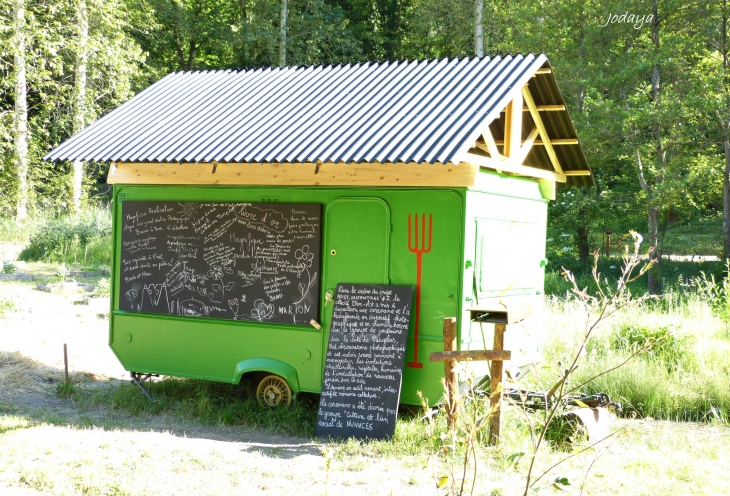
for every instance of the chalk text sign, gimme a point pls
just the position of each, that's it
(242, 261)
(364, 364)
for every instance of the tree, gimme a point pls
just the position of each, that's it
(282, 33)
(79, 119)
(21, 112)
(478, 30)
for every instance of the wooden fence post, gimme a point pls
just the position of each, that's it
(495, 420)
(65, 362)
(452, 384)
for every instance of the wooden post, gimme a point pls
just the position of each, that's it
(65, 362)
(495, 420)
(450, 368)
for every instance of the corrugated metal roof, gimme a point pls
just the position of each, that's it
(411, 111)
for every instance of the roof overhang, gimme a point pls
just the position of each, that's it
(533, 136)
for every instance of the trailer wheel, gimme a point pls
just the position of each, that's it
(274, 391)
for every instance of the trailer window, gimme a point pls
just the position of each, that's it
(507, 257)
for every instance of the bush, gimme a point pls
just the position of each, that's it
(664, 345)
(86, 240)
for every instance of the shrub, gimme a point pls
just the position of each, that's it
(664, 345)
(71, 241)
(102, 289)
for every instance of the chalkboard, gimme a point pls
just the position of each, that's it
(364, 364)
(242, 261)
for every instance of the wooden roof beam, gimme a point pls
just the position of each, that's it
(554, 141)
(511, 166)
(491, 145)
(527, 145)
(543, 131)
(513, 128)
(546, 108)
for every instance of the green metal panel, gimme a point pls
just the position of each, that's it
(368, 228)
(504, 247)
(356, 241)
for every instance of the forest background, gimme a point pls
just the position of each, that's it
(647, 84)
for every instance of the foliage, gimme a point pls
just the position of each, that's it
(663, 344)
(83, 240)
(603, 302)
(717, 294)
(7, 305)
(102, 289)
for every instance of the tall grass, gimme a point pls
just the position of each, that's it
(85, 240)
(685, 376)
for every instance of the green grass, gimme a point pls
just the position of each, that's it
(85, 241)
(683, 377)
(208, 403)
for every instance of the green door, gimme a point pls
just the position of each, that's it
(357, 232)
(356, 248)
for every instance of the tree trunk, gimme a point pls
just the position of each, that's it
(478, 30)
(21, 112)
(653, 285)
(282, 32)
(726, 193)
(583, 241)
(79, 118)
(725, 123)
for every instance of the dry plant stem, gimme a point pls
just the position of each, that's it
(631, 357)
(583, 484)
(573, 455)
(607, 305)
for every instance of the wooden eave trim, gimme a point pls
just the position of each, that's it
(512, 167)
(295, 174)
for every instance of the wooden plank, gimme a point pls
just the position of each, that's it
(491, 146)
(557, 141)
(527, 145)
(475, 355)
(513, 128)
(495, 418)
(514, 313)
(543, 131)
(544, 70)
(509, 166)
(577, 173)
(306, 174)
(546, 108)
(452, 385)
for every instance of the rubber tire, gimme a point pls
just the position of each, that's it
(273, 391)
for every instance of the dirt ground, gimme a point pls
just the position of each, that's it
(149, 455)
(50, 445)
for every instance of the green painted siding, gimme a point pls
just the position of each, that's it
(368, 230)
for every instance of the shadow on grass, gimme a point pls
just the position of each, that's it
(182, 407)
(192, 408)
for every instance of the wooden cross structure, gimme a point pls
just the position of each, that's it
(509, 154)
(499, 316)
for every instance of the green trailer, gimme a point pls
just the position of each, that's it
(433, 174)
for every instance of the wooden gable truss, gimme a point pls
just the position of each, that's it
(510, 154)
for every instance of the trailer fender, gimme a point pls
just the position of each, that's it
(277, 367)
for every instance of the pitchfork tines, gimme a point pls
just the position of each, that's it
(414, 248)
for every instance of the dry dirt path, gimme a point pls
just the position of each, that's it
(50, 446)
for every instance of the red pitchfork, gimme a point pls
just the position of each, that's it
(413, 248)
